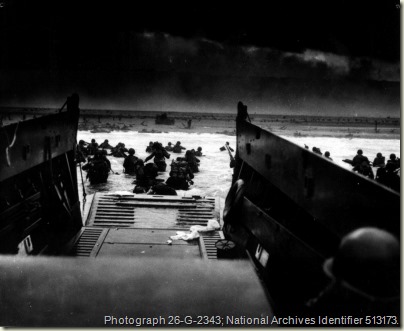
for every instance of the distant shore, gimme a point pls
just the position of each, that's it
(286, 125)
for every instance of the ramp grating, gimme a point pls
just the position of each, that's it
(85, 244)
(145, 211)
(207, 242)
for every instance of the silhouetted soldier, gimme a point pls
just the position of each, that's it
(198, 152)
(130, 162)
(393, 164)
(145, 176)
(178, 148)
(223, 148)
(159, 154)
(97, 169)
(105, 145)
(119, 150)
(92, 147)
(149, 148)
(365, 277)
(180, 175)
(192, 160)
(317, 150)
(81, 152)
(169, 147)
(361, 165)
(359, 159)
(389, 175)
(379, 160)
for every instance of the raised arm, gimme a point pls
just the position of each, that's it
(149, 157)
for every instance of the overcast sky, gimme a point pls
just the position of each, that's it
(199, 54)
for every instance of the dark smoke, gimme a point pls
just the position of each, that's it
(157, 71)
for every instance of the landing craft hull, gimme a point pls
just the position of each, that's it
(38, 193)
(296, 207)
(115, 264)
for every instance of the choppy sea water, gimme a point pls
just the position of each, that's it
(214, 178)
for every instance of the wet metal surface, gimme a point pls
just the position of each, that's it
(145, 211)
(141, 225)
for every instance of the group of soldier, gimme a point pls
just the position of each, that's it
(317, 150)
(182, 168)
(96, 162)
(181, 174)
(386, 174)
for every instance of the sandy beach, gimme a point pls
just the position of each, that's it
(287, 125)
(225, 124)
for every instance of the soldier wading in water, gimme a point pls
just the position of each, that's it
(98, 168)
(159, 154)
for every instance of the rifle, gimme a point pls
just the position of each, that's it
(232, 160)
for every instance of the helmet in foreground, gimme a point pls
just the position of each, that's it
(367, 262)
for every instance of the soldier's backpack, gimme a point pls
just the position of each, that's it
(98, 171)
(179, 169)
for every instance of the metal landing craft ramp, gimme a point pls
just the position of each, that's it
(60, 269)
(141, 226)
(122, 266)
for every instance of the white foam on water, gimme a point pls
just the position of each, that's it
(214, 178)
(345, 148)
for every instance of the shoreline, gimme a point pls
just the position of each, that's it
(227, 127)
(224, 123)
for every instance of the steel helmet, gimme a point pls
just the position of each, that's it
(368, 262)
